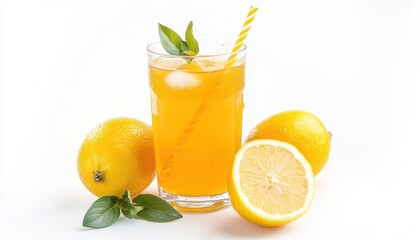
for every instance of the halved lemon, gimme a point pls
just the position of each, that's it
(271, 183)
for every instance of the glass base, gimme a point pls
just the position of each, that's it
(207, 203)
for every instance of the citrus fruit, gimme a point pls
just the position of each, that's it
(117, 155)
(271, 183)
(301, 129)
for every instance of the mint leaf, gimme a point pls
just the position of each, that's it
(191, 41)
(103, 212)
(173, 43)
(170, 40)
(155, 209)
(129, 209)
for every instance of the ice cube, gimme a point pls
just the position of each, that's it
(182, 80)
(211, 64)
(168, 63)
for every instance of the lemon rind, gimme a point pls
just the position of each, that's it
(258, 212)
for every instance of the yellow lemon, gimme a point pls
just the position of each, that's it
(117, 155)
(271, 183)
(301, 129)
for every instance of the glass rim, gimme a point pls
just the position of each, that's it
(167, 55)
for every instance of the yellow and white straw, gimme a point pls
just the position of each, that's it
(242, 35)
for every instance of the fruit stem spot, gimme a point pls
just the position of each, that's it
(98, 176)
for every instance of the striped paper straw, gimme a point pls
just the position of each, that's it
(242, 35)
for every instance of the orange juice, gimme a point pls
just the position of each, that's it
(197, 124)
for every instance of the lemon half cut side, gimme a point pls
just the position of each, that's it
(271, 183)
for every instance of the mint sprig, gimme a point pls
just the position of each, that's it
(175, 45)
(106, 210)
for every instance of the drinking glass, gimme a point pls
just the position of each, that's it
(197, 104)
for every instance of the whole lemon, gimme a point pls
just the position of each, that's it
(301, 129)
(117, 155)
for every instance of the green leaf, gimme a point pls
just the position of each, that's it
(170, 40)
(129, 209)
(184, 46)
(191, 41)
(173, 44)
(103, 212)
(155, 209)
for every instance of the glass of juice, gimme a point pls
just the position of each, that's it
(197, 104)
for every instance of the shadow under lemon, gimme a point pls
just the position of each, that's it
(235, 225)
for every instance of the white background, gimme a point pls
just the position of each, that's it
(67, 65)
